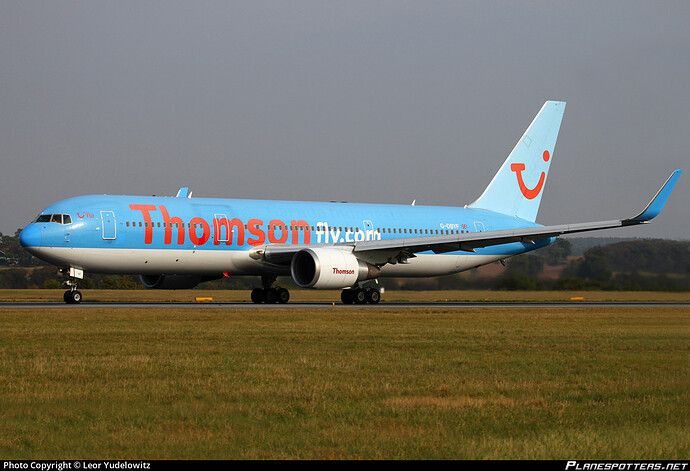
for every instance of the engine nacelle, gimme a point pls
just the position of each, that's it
(323, 268)
(170, 281)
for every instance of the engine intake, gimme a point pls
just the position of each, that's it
(322, 268)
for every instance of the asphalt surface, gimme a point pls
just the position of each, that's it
(338, 305)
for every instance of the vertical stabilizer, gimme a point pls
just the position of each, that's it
(518, 186)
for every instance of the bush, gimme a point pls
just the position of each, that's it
(52, 284)
(520, 282)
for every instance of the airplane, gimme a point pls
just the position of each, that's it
(179, 242)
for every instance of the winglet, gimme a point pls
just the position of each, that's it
(657, 204)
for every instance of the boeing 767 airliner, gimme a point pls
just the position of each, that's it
(178, 242)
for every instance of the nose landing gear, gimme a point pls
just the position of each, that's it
(72, 295)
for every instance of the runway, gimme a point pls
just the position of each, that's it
(341, 306)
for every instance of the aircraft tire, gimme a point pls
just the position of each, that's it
(72, 297)
(347, 296)
(373, 296)
(283, 296)
(271, 296)
(360, 296)
(258, 295)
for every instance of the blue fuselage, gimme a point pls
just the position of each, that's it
(145, 234)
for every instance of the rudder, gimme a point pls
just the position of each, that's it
(518, 186)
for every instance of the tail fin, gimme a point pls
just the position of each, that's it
(518, 186)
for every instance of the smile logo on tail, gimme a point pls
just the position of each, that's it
(529, 193)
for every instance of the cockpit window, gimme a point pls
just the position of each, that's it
(58, 218)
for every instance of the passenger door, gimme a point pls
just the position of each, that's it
(108, 221)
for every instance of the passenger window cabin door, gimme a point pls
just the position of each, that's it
(221, 228)
(108, 224)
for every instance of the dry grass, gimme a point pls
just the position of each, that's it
(607, 383)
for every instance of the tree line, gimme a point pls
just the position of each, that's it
(630, 265)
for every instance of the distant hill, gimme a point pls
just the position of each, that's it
(649, 255)
(580, 245)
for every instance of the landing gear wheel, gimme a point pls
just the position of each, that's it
(268, 294)
(360, 296)
(257, 295)
(72, 297)
(271, 296)
(283, 295)
(347, 296)
(373, 296)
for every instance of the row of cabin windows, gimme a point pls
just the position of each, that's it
(421, 231)
(189, 224)
(384, 230)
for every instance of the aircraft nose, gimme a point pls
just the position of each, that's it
(30, 236)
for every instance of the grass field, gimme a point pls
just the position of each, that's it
(605, 383)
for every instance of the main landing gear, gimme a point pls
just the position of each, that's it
(268, 294)
(355, 295)
(360, 295)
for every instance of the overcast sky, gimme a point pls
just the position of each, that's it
(377, 102)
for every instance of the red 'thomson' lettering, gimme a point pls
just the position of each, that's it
(221, 230)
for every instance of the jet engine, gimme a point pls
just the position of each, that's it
(170, 281)
(323, 268)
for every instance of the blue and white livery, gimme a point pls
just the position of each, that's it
(178, 242)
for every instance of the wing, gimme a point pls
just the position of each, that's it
(391, 250)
